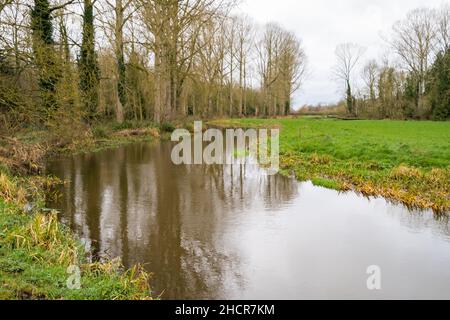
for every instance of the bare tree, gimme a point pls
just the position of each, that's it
(245, 44)
(413, 41)
(293, 66)
(148, 59)
(231, 36)
(348, 55)
(14, 34)
(176, 27)
(370, 75)
(267, 49)
(443, 27)
(4, 3)
(282, 66)
(114, 18)
(209, 63)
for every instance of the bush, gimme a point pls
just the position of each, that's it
(100, 132)
(122, 126)
(167, 127)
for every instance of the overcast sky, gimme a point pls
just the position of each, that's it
(323, 24)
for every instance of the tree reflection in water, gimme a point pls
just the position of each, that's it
(134, 203)
(233, 232)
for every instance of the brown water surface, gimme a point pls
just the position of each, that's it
(232, 232)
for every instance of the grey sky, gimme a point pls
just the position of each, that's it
(323, 24)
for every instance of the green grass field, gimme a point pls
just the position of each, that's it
(407, 161)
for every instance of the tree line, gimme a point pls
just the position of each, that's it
(155, 60)
(411, 81)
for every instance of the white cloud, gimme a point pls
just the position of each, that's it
(323, 24)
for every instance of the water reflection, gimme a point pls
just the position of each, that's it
(134, 203)
(234, 232)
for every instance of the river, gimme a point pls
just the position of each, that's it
(233, 232)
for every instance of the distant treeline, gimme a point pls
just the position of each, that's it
(411, 81)
(155, 60)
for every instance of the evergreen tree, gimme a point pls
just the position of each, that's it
(349, 99)
(411, 96)
(440, 87)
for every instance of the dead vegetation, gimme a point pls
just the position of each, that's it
(9, 190)
(20, 157)
(152, 132)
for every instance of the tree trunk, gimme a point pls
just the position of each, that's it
(120, 57)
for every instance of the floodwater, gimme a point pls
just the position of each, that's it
(232, 232)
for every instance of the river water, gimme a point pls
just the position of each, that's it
(233, 232)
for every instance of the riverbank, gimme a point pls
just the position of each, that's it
(38, 255)
(25, 151)
(404, 161)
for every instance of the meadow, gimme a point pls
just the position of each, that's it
(405, 161)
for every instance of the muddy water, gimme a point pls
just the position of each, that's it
(233, 232)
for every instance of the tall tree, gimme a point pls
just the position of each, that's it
(369, 74)
(440, 86)
(267, 49)
(46, 60)
(88, 66)
(121, 19)
(282, 66)
(414, 41)
(443, 27)
(244, 45)
(292, 68)
(44, 52)
(176, 28)
(348, 55)
(114, 19)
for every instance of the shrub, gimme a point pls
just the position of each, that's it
(167, 127)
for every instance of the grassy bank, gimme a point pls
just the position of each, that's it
(404, 161)
(35, 249)
(36, 252)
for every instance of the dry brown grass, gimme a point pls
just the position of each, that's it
(402, 172)
(320, 159)
(20, 157)
(153, 132)
(10, 191)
